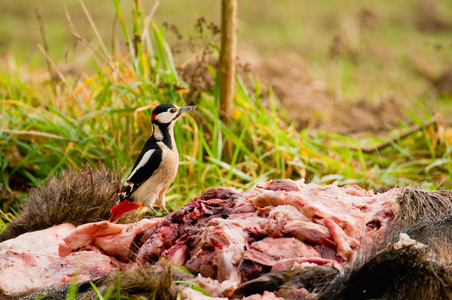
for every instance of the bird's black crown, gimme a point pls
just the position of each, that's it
(162, 108)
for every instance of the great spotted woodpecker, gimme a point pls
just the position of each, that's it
(155, 168)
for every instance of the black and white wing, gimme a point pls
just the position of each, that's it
(146, 164)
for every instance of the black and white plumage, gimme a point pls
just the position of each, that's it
(156, 166)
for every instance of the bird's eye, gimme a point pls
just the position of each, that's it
(172, 110)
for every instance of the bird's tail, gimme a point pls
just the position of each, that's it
(119, 209)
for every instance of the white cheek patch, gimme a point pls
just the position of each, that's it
(144, 160)
(165, 117)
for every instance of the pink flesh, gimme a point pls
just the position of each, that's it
(220, 234)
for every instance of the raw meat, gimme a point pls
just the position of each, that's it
(31, 261)
(345, 212)
(224, 236)
(265, 296)
(289, 222)
(271, 250)
(56, 255)
(219, 252)
(216, 288)
(113, 239)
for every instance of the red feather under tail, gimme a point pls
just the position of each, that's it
(119, 209)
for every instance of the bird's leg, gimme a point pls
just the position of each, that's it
(153, 211)
(160, 202)
(165, 211)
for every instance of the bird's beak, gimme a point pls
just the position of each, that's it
(186, 109)
(183, 110)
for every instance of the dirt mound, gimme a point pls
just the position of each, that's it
(312, 104)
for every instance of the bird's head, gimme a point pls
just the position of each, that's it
(168, 113)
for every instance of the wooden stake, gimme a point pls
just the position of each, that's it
(228, 52)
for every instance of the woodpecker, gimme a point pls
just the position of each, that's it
(155, 168)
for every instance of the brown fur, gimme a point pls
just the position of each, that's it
(313, 279)
(150, 282)
(75, 197)
(418, 206)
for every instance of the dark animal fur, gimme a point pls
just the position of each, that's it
(75, 197)
(150, 282)
(392, 274)
(418, 206)
(313, 279)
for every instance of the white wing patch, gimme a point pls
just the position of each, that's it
(144, 160)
